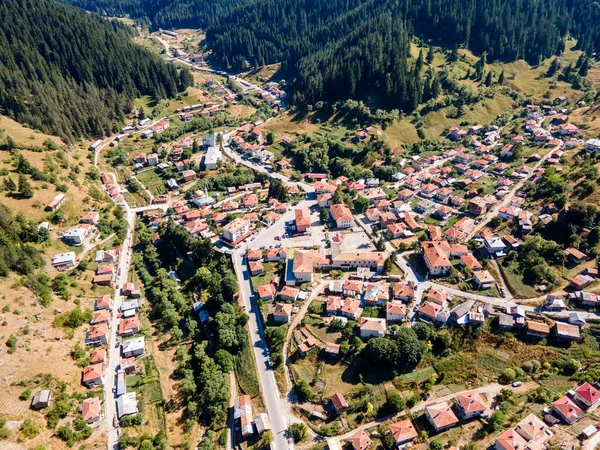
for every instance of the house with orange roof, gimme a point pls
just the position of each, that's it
(436, 257)
(429, 311)
(403, 432)
(93, 375)
(395, 311)
(255, 268)
(438, 296)
(333, 305)
(471, 404)
(282, 313)
(91, 410)
(353, 288)
(351, 309)
(129, 326)
(403, 292)
(567, 410)
(370, 327)
(360, 440)
(289, 294)
(435, 232)
(97, 335)
(510, 440)
(441, 416)
(103, 302)
(342, 215)
(338, 403)
(98, 356)
(532, 429)
(102, 316)
(302, 220)
(266, 292)
(302, 266)
(471, 262)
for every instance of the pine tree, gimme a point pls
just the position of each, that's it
(9, 185)
(501, 78)
(25, 188)
(430, 55)
(554, 68)
(488, 79)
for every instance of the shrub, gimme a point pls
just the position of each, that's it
(25, 394)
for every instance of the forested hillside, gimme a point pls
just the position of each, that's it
(336, 48)
(73, 74)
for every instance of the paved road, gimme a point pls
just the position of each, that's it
(277, 415)
(114, 347)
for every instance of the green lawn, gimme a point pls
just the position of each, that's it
(266, 276)
(153, 182)
(515, 281)
(245, 372)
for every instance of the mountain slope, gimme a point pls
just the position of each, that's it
(336, 48)
(74, 74)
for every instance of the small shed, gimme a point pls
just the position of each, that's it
(41, 400)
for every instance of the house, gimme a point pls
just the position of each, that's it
(403, 292)
(510, 440)
(456, 134)
(470, 405)
(403, 432)
(262, 423)
(127, 405)
(236, 231)
(102, 316)
(436, 255)
(333, 305)
(282, 313)
(133, 347)
(537, 329)
(495, 246)
(567, 410)
(303, 266)
(56, 202)
(266, 292)
(395, 311)
(98, 356)
(575, 256)
(587, 396)
(93, 375)
(438, 296)
(41, 400)
(342, 216)
(581, 281)
(129, 326)
(441, 416)
(90, 218)
(338, 403)
(351, 309)
(64, 261)
(212, 158)
(97, 335)
(188, 175)
(376, 294)
(372, 327)
(91, 410)
(302, 220)
(483, 279)
(532, 429)
(289, 294)
(429, 311)
(332, 349)
(360, 440)
(255, 268)
(131, 290)
(505, 322)
(566, 331)
(471, 262)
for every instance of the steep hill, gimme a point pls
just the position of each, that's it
(74, 74)
(337, 48)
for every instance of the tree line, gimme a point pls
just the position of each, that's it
(73, 74)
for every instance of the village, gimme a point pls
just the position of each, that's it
(445, 243)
